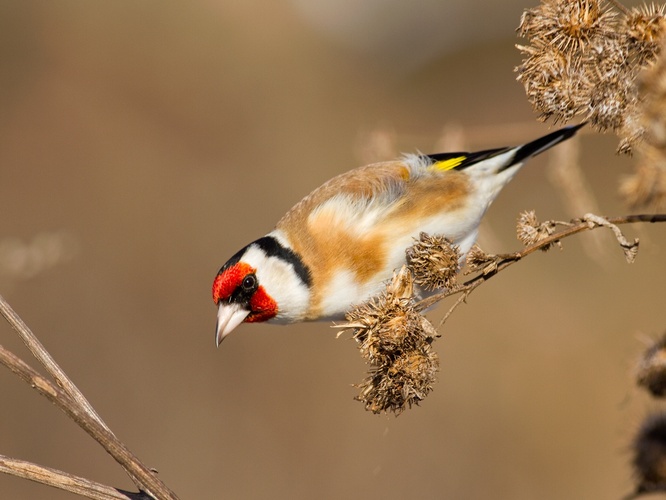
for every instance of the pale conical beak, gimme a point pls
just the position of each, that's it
(229, 316)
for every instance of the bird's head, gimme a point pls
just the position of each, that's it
(264, 281)
(240, 298)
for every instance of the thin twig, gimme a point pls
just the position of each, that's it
(461, 299)
(150, 484)
(58, 374)
(506, 260)
(43, 356)
(64, 481)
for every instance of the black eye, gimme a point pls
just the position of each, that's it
(249, 282)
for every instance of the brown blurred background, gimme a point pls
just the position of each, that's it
(143, 143)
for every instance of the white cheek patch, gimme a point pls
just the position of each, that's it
(281, 283)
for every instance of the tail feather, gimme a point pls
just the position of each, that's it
(543, 143)
(461, 161)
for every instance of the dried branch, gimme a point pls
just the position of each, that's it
(74, 404)
(499, 262)
(42, 355)
(64, 481)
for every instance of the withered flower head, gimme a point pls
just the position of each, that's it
(388, 322)
(478, 260)
(401, 384)
(644, 30)
(650, 455)
(551, 83)
(395, 340)
(584, 59)
(435, 261)
(569, 25)
(611, 83)
(652, 368)
(530, 231)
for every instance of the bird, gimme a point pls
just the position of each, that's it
(340, 244)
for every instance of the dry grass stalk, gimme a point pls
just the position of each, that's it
(65, 395)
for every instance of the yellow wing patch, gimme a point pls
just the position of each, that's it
(449, 164)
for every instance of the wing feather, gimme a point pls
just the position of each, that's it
(379, 185)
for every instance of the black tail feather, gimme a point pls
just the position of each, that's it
(522, 153)
(546, 142)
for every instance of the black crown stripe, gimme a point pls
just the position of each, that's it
(272, 248)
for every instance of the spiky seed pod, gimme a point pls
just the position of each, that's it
(396, 341)
(395, 327)
(651, 372)
(643, 28)
(611, 83)
(650, 455)
(530, 232)
(551, 82)
(584, 59)
(401, 384)
(435, 261)
(478, 260)
(387, 322)
(569, 25)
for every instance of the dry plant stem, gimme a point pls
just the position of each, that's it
(508, 259)
(64, 481)
(461, 299)
(150, 484)
(61, 378)
(42, 355)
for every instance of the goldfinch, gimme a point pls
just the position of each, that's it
(339, 245)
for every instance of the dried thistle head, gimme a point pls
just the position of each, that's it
(611, 84)
(401, 384)
(632, 132)
(650, 455)
(396, 341)
(478, 260)
(388, 323)
(551, 83)
(385, 326)
(435, 261)
(576, 64)
(643, 28)
(568, 25)
(651, 372)
(530, 231)
(583, 60)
